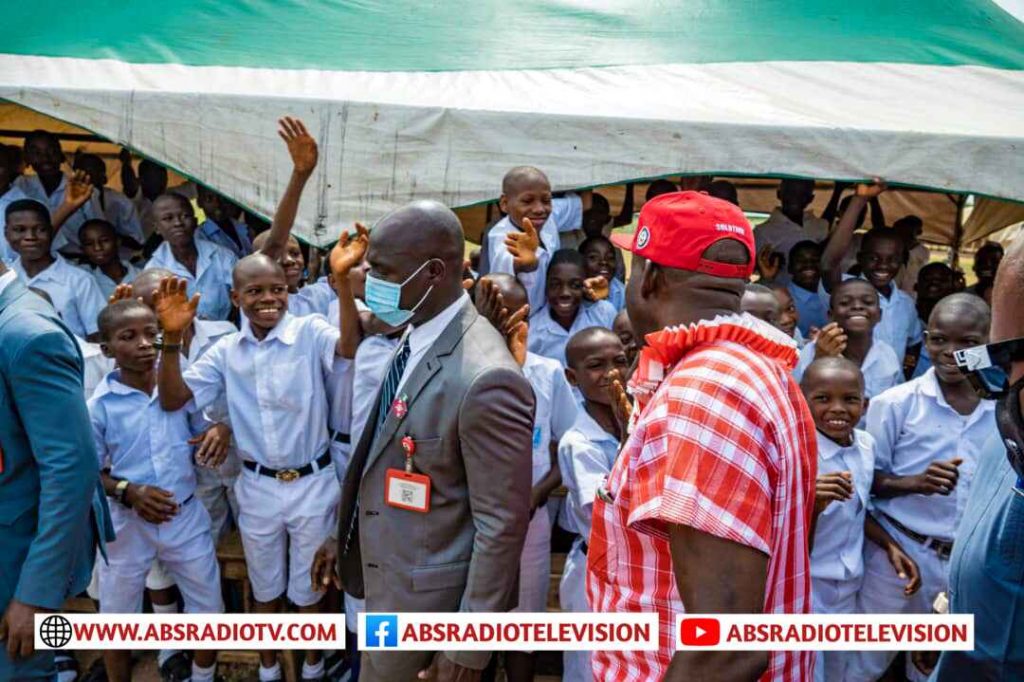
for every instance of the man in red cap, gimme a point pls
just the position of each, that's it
(708, 507)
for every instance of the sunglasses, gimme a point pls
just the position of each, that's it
(988, 367)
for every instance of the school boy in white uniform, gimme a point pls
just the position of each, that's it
(834, 389)
(176, 222)
(148, 450)
(586, 454)
(73, 292)
(526, 196)
(929, 432)
(565, 313)
(272, 374)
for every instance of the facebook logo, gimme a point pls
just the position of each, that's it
(382, 631)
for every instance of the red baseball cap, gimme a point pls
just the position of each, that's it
(676, 228)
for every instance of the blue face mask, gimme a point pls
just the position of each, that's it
(384, 299)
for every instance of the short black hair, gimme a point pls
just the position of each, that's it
(566, 256)
(989, 246)
(597, 199)
(583, 336)
(659, 187)
(8, 158)
(725, 190)
(846, 284)
(502, 280)
(96, 222)
(519, 175)
(831, 362)
(28, 205)
(181, 198)
(936, 265)
(589, 241)
(110, 317)
(878, 234)
(965, 306)
(40, 134)
(804, 245)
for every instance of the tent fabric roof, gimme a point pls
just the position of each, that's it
(413, 100)
(472, 35)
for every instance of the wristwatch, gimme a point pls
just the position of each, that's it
(120, 489)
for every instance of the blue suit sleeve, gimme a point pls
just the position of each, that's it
(46, 384)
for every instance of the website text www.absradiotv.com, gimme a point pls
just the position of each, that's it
(505, 631)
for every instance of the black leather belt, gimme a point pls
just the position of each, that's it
(289, 475)
(941, 547)
(339, 437)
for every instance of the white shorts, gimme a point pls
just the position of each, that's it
(353, 607)
(535, 564)
(215, 490)
(282, 525)
(159, 578)
(183, 545)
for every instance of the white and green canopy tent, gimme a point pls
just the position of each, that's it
(438, 99)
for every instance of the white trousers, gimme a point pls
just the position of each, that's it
(882, 592)
(834, 596)
(572, 595)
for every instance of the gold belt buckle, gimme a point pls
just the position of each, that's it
(286, 475)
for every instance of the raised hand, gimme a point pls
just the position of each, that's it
(301, 145)
(213, 446)
(829, 488)
(939, 478)
(153, 504)
(79, 189)
(872, 190)
(596, 288)
(768, 263)
(122, 292)
(523, 247)
(349, 252)
(174, 310)
(467, 275)
(830, 341)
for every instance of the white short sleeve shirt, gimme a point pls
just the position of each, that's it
(275, 388)
(913, 426)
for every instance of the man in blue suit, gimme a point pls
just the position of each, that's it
(52, 511)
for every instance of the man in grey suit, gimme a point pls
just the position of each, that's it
(52, 512)
(454, 408)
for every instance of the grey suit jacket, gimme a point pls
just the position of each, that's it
(470, 412)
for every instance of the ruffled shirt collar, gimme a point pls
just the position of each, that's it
(666, 347)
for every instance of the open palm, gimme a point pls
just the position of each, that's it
(301, 145)
(349, 251)
(174, 310)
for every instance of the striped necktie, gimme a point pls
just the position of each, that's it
(387, 396)
(390, 387)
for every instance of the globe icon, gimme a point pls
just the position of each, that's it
(55, 631)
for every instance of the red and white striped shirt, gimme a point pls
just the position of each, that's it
(721, 441)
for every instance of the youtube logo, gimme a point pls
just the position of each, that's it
(699, 632)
